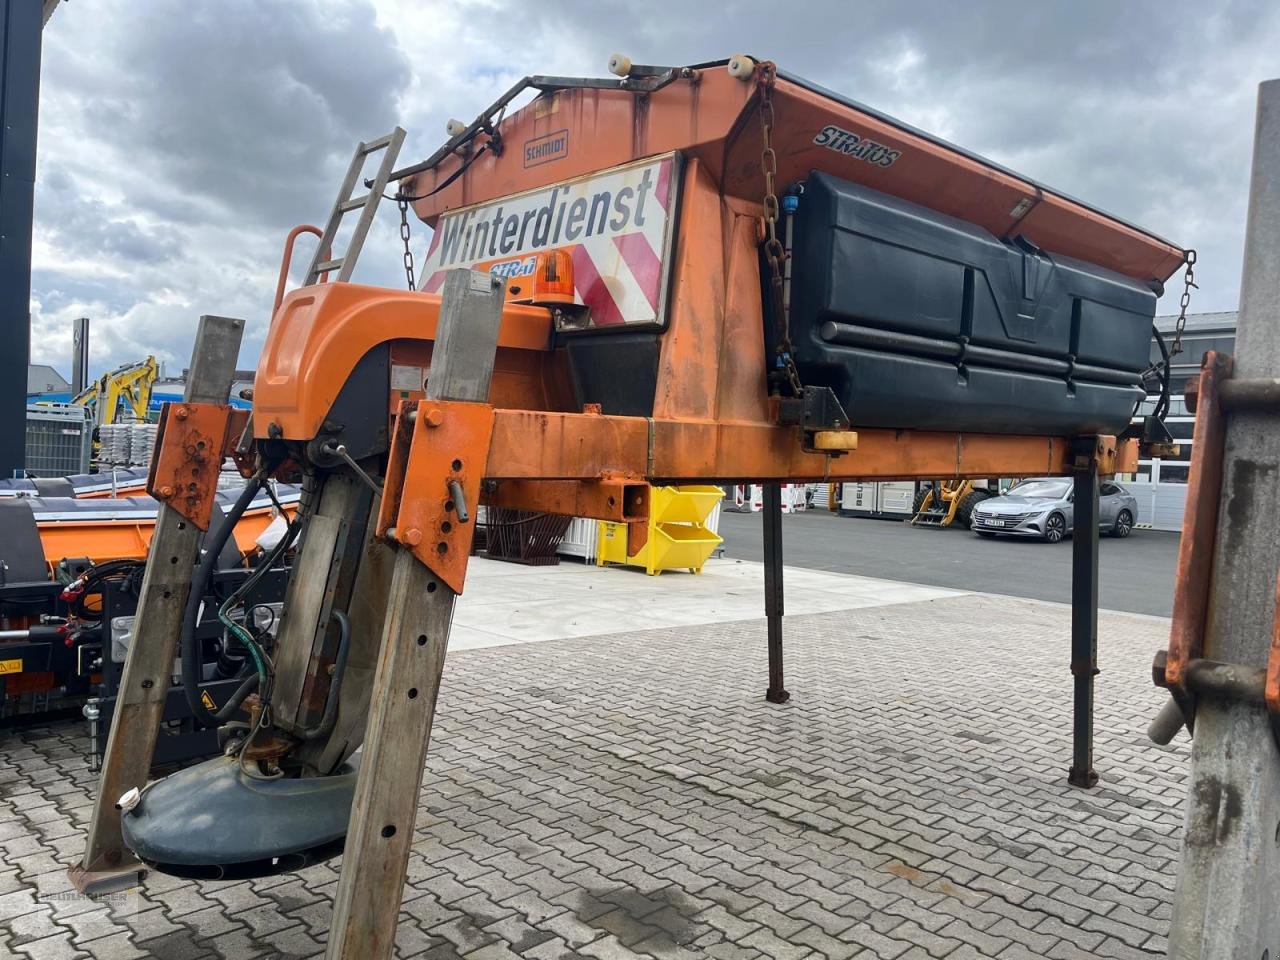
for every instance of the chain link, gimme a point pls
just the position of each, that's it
(404, 235)
(774, 252)
(1188, 284)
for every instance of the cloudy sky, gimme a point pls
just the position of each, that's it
(181, 139)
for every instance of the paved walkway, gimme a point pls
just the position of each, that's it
(633, 795)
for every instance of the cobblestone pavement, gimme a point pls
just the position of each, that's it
(633, 795)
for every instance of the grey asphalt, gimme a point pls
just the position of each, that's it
(1136, 574)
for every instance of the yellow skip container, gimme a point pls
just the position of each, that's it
(678, 535)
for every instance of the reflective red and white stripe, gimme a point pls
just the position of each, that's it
(617, 271)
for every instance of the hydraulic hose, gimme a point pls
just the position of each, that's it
(191, 662)
(330, 715)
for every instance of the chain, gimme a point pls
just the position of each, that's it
(1188, 284)
(774, 252)
(404, 235)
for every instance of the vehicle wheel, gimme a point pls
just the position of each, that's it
(964, 512)
(1123, 525)
(918, 500)
(985, 534)
(1055, 528)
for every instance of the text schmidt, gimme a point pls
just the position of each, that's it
(475, 235)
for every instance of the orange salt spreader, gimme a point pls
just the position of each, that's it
(711, 273)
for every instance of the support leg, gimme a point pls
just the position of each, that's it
(144, 684)
(777, 692)
(1084, 617)
(407, 679)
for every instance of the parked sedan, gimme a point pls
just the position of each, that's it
(1043, 508)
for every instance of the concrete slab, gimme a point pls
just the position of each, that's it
(510, 603)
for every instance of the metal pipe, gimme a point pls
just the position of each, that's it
(15, 634)
(1260, 394)
(1084, 618)
(1165, 725)
(773, 607)
(856, 335)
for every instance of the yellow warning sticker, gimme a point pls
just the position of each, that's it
(10, 666)
(207, 700)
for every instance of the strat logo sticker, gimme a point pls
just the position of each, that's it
(544, 149)
(851, 144)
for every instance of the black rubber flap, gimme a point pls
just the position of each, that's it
(213, 821)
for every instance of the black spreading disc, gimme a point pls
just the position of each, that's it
(213, 821)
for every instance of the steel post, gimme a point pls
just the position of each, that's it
(1229, 875)
(20, 27)
(777, 692)
(144, 684)
(1084, 612)
(79, 356)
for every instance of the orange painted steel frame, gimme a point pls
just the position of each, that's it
(714, 121)
(711, 418)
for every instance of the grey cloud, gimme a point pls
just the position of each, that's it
(180, 140)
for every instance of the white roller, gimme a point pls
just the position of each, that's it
(454, 127)
(741, 67)
(620, 65)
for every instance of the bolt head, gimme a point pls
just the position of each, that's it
(165, 492)
(182, 413)
(435, 417)
(411, 537)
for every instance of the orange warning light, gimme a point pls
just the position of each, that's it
(553, 277)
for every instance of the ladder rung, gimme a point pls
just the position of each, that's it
(348, 205)
(328, 265)
(373, 146)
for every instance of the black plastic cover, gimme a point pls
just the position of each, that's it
(920, 320)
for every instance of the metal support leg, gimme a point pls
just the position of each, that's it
(144, 684)
(1229, 875)
(1084, 617)
(407, 680)
(777, 692)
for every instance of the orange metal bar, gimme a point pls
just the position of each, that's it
(622, 501)
(287, 258)
(540, 445)
(1271, 692)
(1199, 523)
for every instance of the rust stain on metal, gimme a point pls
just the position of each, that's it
(1271, 692)
(416, 499)
(1199, 523)
(191, 443)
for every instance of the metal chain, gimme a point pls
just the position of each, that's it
(774, 251)
(1188, 284)
(404, 235)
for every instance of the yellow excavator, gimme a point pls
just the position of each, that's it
(945, 502)
(122, 393)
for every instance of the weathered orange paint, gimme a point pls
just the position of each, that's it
(102, 540)
(191, 442)
(320, 333)
(714, 120)
(436, 443)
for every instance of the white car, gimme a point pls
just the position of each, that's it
(1043, 508)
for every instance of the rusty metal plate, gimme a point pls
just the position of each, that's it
(448, 449)
(190, 444)
(1199, 522)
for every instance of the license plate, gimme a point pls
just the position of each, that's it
(995, 523)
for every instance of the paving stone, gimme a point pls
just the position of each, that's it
(887, 812)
